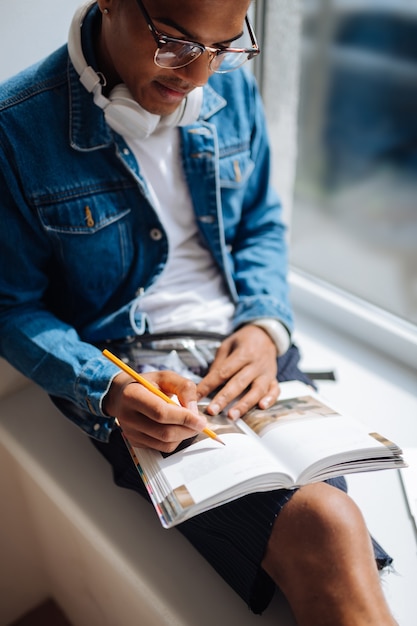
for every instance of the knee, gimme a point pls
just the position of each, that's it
(318, 522)
(320, 555)
(326, 506)
(319, 530)
(321, 511)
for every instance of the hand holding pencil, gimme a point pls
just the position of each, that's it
(152, 388)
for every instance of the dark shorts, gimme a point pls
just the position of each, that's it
(232, 537)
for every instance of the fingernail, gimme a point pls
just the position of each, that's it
(265, 402)
(213, 408)
(234, 414)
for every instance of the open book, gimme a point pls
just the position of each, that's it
(299, 440)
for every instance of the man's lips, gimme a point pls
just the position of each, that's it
(173, 92)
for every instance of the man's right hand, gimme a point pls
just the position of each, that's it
(148, 421)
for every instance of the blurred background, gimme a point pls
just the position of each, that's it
(354, 218)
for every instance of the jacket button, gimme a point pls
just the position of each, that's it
(207, 219)
(156, 234)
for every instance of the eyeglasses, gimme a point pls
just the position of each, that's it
(174, 53)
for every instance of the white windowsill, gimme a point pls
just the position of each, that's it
(352, 316)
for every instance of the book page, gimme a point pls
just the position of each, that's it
(203, 469)
(305, 432)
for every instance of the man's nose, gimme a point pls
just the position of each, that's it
(198, 72)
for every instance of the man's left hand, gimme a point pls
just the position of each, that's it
(245, 369)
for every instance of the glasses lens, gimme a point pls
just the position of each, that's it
(228, 61)
(174, 55)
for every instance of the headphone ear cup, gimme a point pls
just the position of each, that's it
(126, 116)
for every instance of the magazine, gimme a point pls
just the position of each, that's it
(299, 440)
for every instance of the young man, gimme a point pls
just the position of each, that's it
(135, 199)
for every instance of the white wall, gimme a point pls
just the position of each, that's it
(30, 30)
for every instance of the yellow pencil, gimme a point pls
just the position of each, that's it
(143, 381)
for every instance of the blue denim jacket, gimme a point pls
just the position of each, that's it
(80, 240)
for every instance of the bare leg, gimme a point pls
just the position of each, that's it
(321, 557)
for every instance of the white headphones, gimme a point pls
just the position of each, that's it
(123, 114)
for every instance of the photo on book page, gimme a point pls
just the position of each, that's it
(283, 411)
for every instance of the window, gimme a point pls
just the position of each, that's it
(354, 209)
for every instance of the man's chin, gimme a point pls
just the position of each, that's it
(161, 110)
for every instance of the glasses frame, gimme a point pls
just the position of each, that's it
(161, 39)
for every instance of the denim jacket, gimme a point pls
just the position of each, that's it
(80, 241)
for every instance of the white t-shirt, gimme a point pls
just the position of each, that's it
(204, 303)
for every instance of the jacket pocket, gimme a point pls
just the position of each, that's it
(83, 216)
(235, 169)
(91, 234)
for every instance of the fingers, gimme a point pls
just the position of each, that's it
(163, 428)
(243, 373)
(249, 400)
(263, 392)
(149, 421)
(271, 396)
(227, 363)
